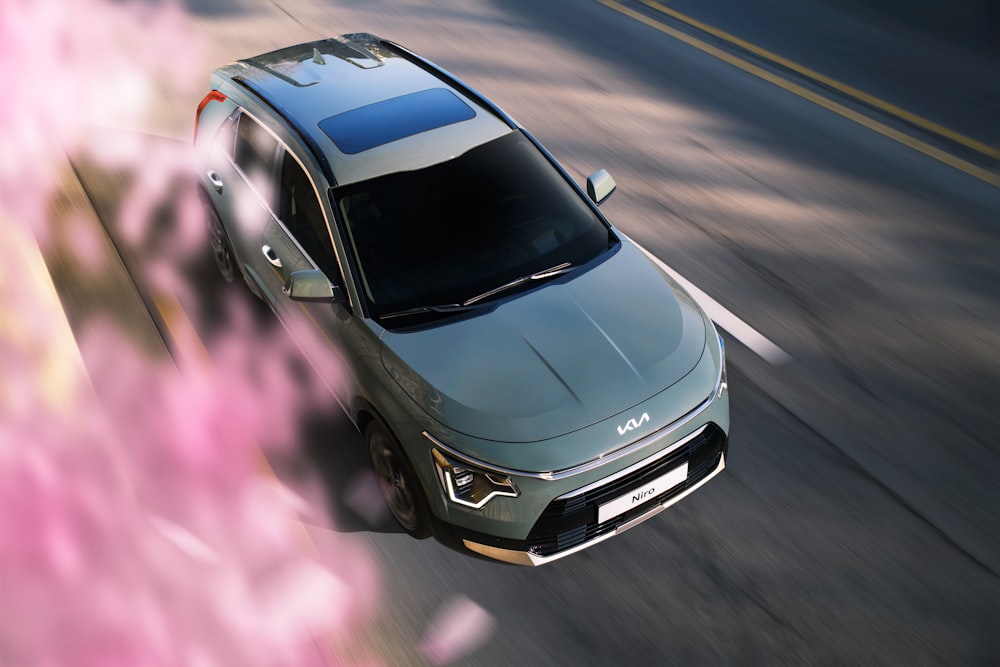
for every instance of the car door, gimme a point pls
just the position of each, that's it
(299, 239)
(241, 175)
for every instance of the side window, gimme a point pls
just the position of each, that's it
(255, 151)
(225, 138)
(303, 216)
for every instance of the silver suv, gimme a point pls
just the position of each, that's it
(514, 399)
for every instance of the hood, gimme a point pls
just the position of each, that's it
(570, 353)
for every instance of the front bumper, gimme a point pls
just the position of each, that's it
(571, 522)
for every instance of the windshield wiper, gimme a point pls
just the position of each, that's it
(443, 308)
(556, 270)
(469, 304)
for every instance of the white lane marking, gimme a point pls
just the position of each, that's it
(739, 329)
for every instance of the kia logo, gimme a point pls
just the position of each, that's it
(632, 423)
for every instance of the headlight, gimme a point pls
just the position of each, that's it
(469, 486)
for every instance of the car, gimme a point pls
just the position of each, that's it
(527, 382)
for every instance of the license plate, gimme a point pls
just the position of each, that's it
(642, 494)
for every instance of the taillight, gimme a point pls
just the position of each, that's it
(213, 96)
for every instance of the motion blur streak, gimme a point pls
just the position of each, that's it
(456, 629)
(135, 525)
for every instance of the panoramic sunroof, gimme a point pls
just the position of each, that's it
(360, 129)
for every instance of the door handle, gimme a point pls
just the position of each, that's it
(271, 256)
(215, 180)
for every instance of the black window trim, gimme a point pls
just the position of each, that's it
(310, 143)
(281, 151)
(615, 241)
(284, 155)
(268, 205)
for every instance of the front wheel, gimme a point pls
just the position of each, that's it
(398, 481)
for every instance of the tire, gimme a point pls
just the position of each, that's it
(218, 243)
(397, 481)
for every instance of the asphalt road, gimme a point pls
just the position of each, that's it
(857, 520)
(944, 72)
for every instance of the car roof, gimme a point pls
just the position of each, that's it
(369, 107)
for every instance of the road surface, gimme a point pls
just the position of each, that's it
(857, 519)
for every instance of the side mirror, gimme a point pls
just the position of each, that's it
(314, 286)
(600, 186)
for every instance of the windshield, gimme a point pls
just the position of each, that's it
(458, 229)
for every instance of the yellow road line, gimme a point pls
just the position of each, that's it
(56, 365)
(899, 112)
(185, 335)
(181, 328)
(179, 325)
(965, 166)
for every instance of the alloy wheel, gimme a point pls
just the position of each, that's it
(221, 252)
(394, 482)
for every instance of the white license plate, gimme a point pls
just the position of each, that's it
(642, 494)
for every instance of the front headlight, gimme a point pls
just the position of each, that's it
(469, 486)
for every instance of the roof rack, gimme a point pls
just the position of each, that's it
(324, 162)
(450, 79)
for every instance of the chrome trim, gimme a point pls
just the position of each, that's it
(555, 475)
(264, 200)
(723, 378)
(673, 500)
(527, 558)
(533, 560)
(441, 462)
(635, 466)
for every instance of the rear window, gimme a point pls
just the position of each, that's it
(255, 148)
(364, 128)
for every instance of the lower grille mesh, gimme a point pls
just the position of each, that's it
(572, 521)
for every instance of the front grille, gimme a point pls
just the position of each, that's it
(568, 522)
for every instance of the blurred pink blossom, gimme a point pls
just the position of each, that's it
(69, 67)
(362, 494)
(459, 627)
(139, 522)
